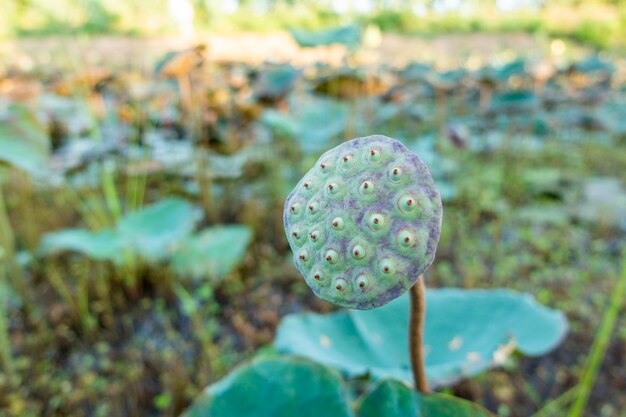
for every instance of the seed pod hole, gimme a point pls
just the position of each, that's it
(308, 185)
(331, 256)
(387, 266)
(358, 252)
(324, 167)
(346, 161)
(341, 284)
(376, 221)
(395, 174)
(296, 234)
(332, 188)
(407, 203)
(317, 276)
(313, 207)
(362, 281)
(366, 188)
(295, 208)
(303, 255)
(374, 155)
(406, 238)
(314, 235)
(337, 223)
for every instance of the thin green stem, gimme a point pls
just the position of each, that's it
(7, 241)
(5, 336)
(110, 193)
(555, 407)
(600, 345)
(416, 335)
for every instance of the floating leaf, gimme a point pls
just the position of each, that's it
(154, 230)
(101, 246)
(23, 141)
(313, 122)
(466, 332)
(212, 253)
(276, 82)
(511, 101)
(604, 201)
(350, 36)
(394, 399)
(277, 387)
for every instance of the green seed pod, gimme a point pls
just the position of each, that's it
(367, 219)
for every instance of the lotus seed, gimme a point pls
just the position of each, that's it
(314, 235)
(295, 208)
(376, 221)
(367, 188)
(386, 266)
(303, 255)
(332, 188)
(331, 256)
(395, 175)
(406, 238)
(374, 155)
(362, 281)
(358, 252)
(337, 223)
(407, 203)
(324, 167)
(346, 162)
(341, 284)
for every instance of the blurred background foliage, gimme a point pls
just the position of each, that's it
(600, 23)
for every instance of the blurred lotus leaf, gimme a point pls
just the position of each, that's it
(274, 83)
(24, 143)
(448, 80)
(105, 245)
(277, 387)
(212, 253)
(604, 201)
(350, 36)
(349, 83)
(154, 230)
(593, 64)
(466, 332)
(394, 399)
(513, 101)
(313, 122)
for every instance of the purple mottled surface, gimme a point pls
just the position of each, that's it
(395, 220)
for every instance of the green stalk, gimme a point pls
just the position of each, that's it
(59, 285)
(5, 336)
(7, 241)
(110, 193)
(555, 407)
(600, 345)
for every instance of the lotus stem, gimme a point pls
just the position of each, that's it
(5, 338)
(416, 335)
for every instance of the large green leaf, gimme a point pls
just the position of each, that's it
(212, 253)
(153, 231)
(275, 387)
(23, 141)
(394, 399)
(104, 245)
(466, 332)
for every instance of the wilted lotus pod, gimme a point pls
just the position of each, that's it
(364, 222)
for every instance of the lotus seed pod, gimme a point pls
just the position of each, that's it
(364, 222)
